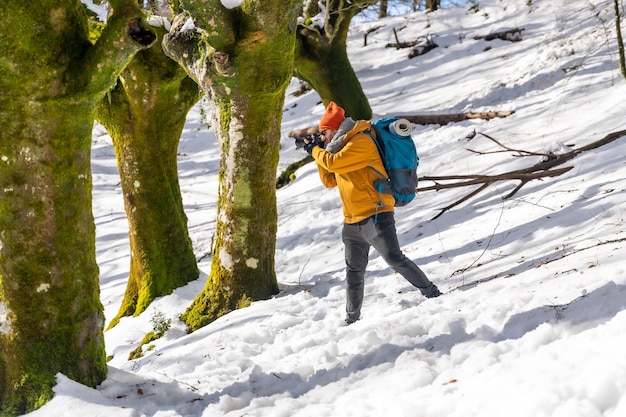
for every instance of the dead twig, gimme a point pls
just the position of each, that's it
(400, 45)
(371, 30)
(520, 152)
(424, 48)
(512, 35)
(575, 251)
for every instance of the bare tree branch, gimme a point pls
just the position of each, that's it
(444, 119)
(542, 169)
(506, 148)
(436, 119)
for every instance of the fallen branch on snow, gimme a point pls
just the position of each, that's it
(541, 170)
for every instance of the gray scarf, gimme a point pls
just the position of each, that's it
(336, 142)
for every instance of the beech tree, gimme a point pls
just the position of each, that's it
(51, 78)
(322, 58)
(242, 58)
(145, 114)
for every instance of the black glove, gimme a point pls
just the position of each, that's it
(309, 147)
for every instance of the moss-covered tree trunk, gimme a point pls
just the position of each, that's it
(145, 115)
(242, 58)
(51, 78)
(322, 58)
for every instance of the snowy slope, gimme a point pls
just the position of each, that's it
(532, 323)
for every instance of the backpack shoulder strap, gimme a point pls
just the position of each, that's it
(375, 135)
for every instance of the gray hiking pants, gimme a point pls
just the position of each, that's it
(357, 239)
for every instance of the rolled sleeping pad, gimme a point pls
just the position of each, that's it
(402, 127)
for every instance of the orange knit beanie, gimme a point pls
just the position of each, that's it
(332, 118)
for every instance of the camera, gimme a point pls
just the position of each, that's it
(315, 138)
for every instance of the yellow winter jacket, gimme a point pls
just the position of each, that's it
(350, 170)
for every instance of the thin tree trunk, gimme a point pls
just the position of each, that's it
(432, 5)
(243, 62)
(620, 39)
(51, 318)
(382, 11)
(145, 115)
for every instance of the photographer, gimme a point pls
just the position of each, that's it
(346, 162)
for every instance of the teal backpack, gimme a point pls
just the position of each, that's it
(397, 151)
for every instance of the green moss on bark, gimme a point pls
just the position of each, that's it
(322, 60)
(49, 279)
(246, 81)
(289, 173)
(333, 77)
(145, 115)
(138, 351)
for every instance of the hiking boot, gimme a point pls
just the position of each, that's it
(434, 292)
(348, 321)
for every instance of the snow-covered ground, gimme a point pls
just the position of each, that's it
(532, 323)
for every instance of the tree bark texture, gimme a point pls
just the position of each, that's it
(432, 5)
(322, 59)
(620, 39)
(51, 78)
(382, 11)
(242, 58)
(145, 115)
